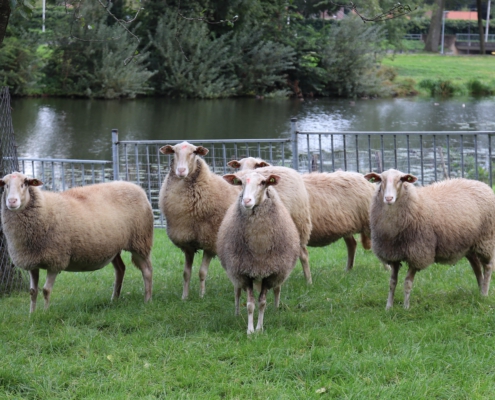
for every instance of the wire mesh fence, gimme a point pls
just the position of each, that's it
(11, 278)
(141, 161)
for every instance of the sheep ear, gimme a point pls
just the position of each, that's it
(167, 149)
(272, 180)
(261, 164)
(33, 182)
(201, 151)
(408, 178)
(232, 179)
(234, 164)
(373, 178)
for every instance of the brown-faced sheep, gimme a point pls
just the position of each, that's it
(258, 242)
(194, 201)
(441, 223)
(294, 195)
(81, 229)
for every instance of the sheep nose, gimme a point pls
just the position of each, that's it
(388, 199)
(181, 171)
(246, 201)
(12, 201)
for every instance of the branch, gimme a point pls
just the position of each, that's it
(397, 11)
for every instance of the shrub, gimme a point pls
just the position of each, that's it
(439, 87)
(478, 88)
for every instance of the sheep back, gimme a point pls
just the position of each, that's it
(339, 204)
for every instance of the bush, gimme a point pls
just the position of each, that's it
(439, 87)
(478, 88)
(192, 62)
(351, 59)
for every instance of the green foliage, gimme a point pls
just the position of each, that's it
(19, 64)
(193, 63)
(479, 88)
(439, 87)
(261, 65)
(332, 339)
(92, 63)
(351, 59)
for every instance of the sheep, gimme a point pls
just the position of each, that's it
(339, 203)
(80, 229)
(294, 195)
(194, 201)
(441, 223)
(339, 207)
(258, 242)
(248, 163)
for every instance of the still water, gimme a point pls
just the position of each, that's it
(75, 128)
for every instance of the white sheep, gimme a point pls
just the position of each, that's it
(248, 163)
(339, 206)
(258, 243)
(81, 229)
(441, 223)
(194, 201)
(294, 195)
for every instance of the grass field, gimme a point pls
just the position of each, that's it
(458, 69)
(331, 340)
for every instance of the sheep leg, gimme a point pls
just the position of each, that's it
(34, 277)
(47, 289)
(408, 284)
(189, 258)
(250, 309)
(119, 268)
(237, 295)
(276, 292)
(365, 241)
(304, 257)
(488, 268)
(351, 244)
(476, 266)
(261, 306)
(144, 264)
(203, 271)
(393, 283)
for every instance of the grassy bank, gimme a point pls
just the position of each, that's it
(460, 71)
(333, 339)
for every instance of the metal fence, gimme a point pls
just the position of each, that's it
(431, 156)
(141, 161)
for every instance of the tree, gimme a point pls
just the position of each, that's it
(480, 27)
(433, 38)
(4, 17)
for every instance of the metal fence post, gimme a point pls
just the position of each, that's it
(293, 138)
(115, 153)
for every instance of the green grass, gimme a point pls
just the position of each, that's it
(459, 70)
(331, 340)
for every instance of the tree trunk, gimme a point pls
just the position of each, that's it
(435, 30)
(4, 17)
(480, 28)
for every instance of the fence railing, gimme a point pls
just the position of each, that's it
(472, 37)
(431, 156)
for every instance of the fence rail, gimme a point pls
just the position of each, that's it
(431, 156)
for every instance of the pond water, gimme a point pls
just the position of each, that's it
(75, 128)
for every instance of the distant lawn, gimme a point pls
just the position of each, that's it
(459, 70)
(331, 340)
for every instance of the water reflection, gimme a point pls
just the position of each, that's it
(75, 128)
